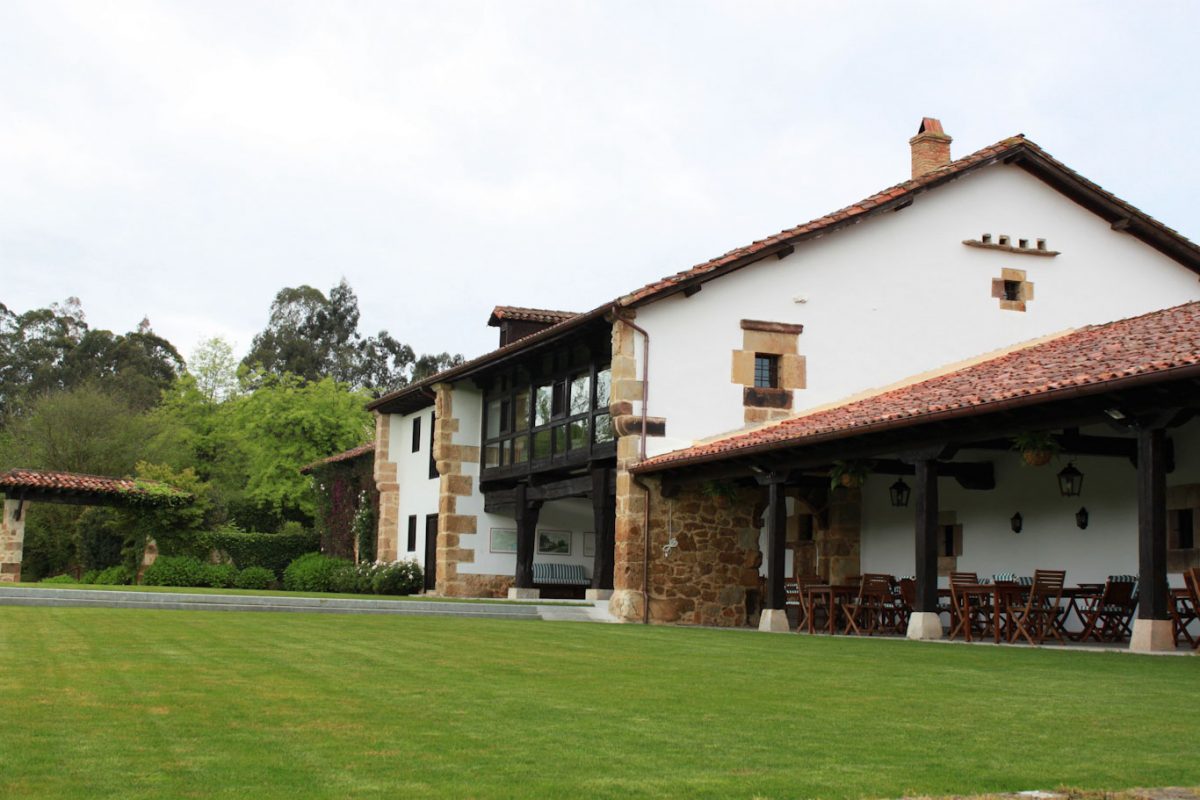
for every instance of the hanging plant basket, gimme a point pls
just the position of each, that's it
(848, 474)
(1037, 447)
(1037, 458)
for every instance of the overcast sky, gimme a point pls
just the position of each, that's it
(184, 161)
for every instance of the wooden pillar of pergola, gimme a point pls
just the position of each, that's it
(774, 614)
(526, 512)
(1153, 628)
(925, 623)
(604, 519)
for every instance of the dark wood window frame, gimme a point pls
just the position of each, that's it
(550, 431)
(412, 533)
(766, 370)
(433, 470)
(416, 434)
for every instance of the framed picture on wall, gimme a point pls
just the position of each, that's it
(503, 540)
(554, 543)
(589, 544)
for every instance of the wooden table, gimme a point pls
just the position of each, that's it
(832, 594)
(997, 597)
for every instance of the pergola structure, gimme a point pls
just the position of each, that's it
(23, 486)
(1140, 377)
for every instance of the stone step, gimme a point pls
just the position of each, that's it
(29, 596)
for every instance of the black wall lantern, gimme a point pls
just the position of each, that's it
(899, 492)
(1081, 518)
(1070, 481)
(1017, 522)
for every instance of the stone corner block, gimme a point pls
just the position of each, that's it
(924, 626)
(774, 620)
(1152, 636)
(524, 594)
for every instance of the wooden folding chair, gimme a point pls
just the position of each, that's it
(906, 601)
(865, 614)
(1040, 615)
(802, 584)
(1106, 619)
(1186, 608)
(961, 614)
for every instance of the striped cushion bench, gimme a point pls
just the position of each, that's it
(560, 575)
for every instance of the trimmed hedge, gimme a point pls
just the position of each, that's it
(274, 551)
(255, 578)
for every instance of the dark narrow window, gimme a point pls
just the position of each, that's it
(416, 439)
(766, 371)
(433, 473)
(412, 533)
(1185, 525)
(948, 540)
(1012, 290)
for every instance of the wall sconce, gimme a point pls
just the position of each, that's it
(1017, 522)
(1070, 480)
(899, 492)
(1081, 518)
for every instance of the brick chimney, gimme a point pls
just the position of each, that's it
(930, 147)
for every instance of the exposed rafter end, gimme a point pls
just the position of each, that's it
(1122, 224)
(785, 252)
(693, 289)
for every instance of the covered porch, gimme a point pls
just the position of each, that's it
(932, 470)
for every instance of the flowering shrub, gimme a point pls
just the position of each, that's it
(399, 577)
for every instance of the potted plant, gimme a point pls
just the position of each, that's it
(1037, 447)
(849, 474)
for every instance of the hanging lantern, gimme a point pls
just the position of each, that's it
(1017, 522)
(1081, 518)
(899, 492)
(1070, 481)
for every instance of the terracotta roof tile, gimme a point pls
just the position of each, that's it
(347, 455)
(1158, 342)
(75, 483)
(530, 314)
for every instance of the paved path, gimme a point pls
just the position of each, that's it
(172, 601)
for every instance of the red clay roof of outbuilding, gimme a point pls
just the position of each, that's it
(1088, 359)
(346, 455)
(16, 480)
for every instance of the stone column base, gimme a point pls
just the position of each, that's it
(924, 626)
(626, 605)
(598, 594)
(524, 594)
(1152, 636)
(773, 620)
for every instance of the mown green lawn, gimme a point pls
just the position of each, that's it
(109, 703)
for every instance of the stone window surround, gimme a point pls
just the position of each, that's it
(1024, 289)
(780, 339)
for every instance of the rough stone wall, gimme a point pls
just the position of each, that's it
(12, 542)
(705, 578)
(387, 484)
(450, 458)
(839, 546)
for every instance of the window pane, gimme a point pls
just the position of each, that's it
(603, 388)
(560, 399)
(521, 420)
(491, 455)
(506, 452)
(541, 444)
(493, 419)
(542, 409)
(604, 431)
(505, 416)
(520, 449)
(766, 371)
(581, 391)
(578, 431)
(560, 440)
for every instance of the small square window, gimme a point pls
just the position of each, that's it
(766, 371)
(1012, 290)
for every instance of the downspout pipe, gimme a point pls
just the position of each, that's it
(642, 457)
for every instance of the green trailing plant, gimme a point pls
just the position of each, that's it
(849, 474)
(255, 578)
(722, 491)
(1037, 447)
(364, 527)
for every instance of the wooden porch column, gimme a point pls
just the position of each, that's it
(527, 513)
(1153, 629)
(925, 622)
(604, 518)
(774, 615)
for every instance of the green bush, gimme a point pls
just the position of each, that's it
(255, 578)
(271, 550)
(346, 579)
(399, 577)
(113, 576)
(89, 576)
(312, 572)
(59, 579)
(220, 576)
(174, 571)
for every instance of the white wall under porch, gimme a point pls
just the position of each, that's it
(1049, 538)
(572, 516)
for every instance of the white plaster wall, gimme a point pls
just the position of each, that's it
(562, 515)
(418, 492)
(900, 294)
(1049, 538)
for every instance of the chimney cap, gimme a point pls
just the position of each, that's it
(931, 125)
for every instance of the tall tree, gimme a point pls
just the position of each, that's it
(313, 336)
(215, 369)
